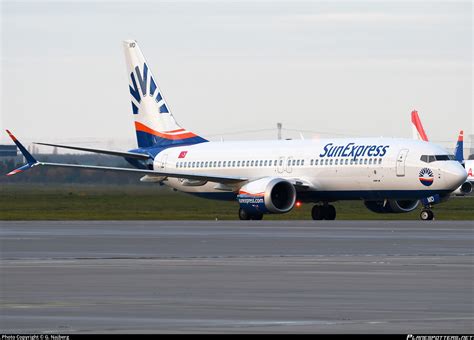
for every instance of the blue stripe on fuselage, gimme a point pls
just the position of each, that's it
(318, 196)
(146, 140)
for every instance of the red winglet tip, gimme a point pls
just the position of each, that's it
(11, 135)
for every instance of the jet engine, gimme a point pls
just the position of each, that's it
(464, 189)
(267, 195)
(392, 206)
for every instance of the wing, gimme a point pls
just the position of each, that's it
(135, 155)
(32, 162)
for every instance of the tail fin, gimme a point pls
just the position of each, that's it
(458, 151)
(154, 123)
(418, 131)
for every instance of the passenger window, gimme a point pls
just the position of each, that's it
(265, 163)
(311, 162)
(302, 162)
(205, 165)
(316, 162)
(336, 161)
(298, 162)
(370, 161)
(294, 162)
(260, 163)
(347, 161)
(233, 164)
(238, 164)
(330, 161)
(223, 164)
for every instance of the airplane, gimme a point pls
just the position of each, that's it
(420, 134)
(390, 175)
(468, 164)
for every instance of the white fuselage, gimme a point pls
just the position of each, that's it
(333, 169)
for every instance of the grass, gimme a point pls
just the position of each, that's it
(148, 202)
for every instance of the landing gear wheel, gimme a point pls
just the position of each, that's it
(323, 212)
(317, 213)
(243, 215)
(426, 215)
(330, 213)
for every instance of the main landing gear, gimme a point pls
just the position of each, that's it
(427, 214)
(245, 216)
(323, 212)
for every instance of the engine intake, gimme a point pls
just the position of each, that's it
(464, 189)
(267, 195)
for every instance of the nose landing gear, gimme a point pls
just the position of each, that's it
(427, 214)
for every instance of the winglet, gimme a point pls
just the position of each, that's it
(458, 151)
(29, 158)
(418, 131)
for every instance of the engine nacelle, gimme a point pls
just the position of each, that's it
(392, 206)
(464, 189)
(267, 195)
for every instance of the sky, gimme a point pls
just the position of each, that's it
(233, 69)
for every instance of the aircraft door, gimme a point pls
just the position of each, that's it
(402, 156)
(289, 168)
(281, 165)
(163, 161)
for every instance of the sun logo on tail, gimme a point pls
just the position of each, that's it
(426, 177)
(147, 86)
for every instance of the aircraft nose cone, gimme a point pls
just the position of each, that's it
(455, 175)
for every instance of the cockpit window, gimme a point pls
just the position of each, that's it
(433, 158)
(445, 157)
